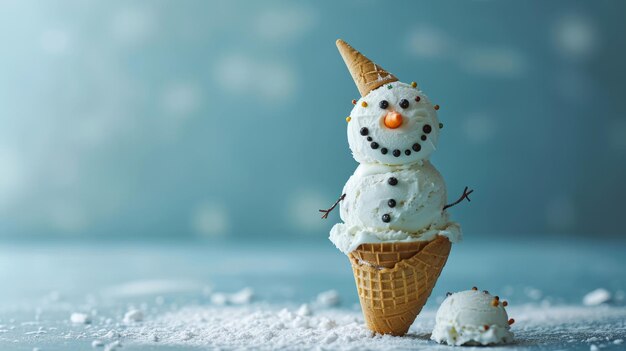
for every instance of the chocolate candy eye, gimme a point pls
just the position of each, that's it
(404, 103)
(383, 104)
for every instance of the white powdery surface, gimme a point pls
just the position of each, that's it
(265, 327)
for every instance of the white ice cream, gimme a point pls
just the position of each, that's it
(419, 195)
(348, 238)
(415, 117)
(411, 209)
(470, 318)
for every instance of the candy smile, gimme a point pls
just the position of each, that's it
(416, 147)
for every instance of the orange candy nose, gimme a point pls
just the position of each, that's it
(393, 120)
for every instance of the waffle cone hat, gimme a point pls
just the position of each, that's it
(366, 74)
(394, 280)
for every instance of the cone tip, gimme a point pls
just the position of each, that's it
(342, 46)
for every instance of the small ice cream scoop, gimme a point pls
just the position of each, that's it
(472, 317)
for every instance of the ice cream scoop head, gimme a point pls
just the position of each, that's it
(366, 74)
(393, 120)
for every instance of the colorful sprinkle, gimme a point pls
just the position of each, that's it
(504, 303)
(364, 104)
(440, 125)
(511, 321)
(436, 107)
(474, 288)
(413, 84)
(495, 302)
(417, 98)
(348, 119)
(353, 101)
(389, 86)
(486, 327)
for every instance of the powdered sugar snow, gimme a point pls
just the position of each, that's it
(268, 327)
(261, 327)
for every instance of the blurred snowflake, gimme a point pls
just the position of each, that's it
(133, 25)
(499, 62)
(181, 98)
(575, 36)
(210, 219)
(479, 128)
(280, 25)
(429, 42)
(267, 80)
(433, 43)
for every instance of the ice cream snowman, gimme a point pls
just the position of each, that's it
(394, 205)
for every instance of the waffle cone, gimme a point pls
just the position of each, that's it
(394, 280)
(366, 74)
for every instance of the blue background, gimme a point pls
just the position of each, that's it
(194, 119)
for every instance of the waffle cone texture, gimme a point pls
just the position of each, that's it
(366, 74)
(394, 280)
